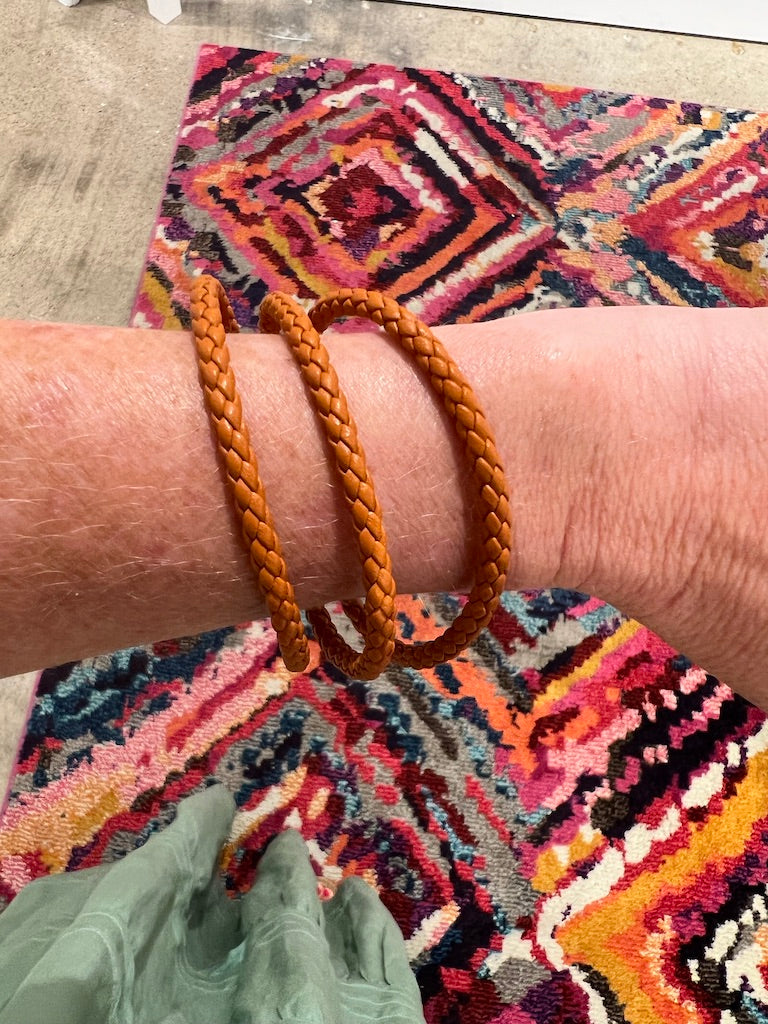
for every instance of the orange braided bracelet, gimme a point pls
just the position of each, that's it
(212, 317)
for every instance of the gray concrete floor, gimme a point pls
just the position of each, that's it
(92, 96)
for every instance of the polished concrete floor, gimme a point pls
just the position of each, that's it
(92, 96)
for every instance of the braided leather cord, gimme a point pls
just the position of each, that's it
(281, 314)
(212, 317)
(480, 450)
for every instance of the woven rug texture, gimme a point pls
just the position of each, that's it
(569, 822)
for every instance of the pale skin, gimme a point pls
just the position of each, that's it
(635, 442)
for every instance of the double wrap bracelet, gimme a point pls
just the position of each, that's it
(375, 620)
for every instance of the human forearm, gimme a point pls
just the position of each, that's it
(683, 540)
(613, 425)
(117, 523)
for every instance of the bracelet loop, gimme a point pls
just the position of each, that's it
(280, 314)
(480, 450)
(212, 317)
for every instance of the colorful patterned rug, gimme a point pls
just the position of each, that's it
(569, 823)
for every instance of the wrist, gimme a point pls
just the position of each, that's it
(633, 440)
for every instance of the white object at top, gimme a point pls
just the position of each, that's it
(738, 19)
(163, 10)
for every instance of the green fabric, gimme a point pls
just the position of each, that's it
(154, 939)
